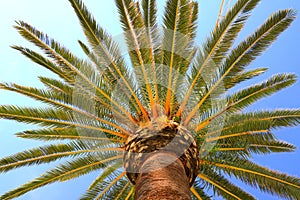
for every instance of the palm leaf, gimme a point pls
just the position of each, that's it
(108, 53)
(47, 154)
(68, 133)
(70, 170)
(222, 186)
(221, 40)
(137, 44)
(266, 180)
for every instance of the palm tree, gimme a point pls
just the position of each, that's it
(165, 126)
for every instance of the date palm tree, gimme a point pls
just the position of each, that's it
(165, 123)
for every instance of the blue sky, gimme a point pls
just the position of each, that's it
(56, 18)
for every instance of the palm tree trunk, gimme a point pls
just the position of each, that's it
(169, 182)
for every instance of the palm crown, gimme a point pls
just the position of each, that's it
(103, 108)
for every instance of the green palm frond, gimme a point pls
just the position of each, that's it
(254, 144)
(85, 76)
(107, 172)
(56, 86)
(271, 147)
(177, 48)
(68, 133)
(220, 41)
(95, 106)
(64, 172)
(198, 193)
(59, 101)
(222, 187)
(260, 177)
(138, 46)
(124, 192)
(252, 128)
(105, 51)
(48, 64)
(258, 42)
(150, 22)
(105, 188)
(278, 118)
(243, 76)
(48, 154)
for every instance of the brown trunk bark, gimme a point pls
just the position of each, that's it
(162, 183)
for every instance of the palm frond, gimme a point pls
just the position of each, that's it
(217, 45)
(85, 76)
(230, 82)
(257, 43)
(138, 45)
(271, 147)
(59, 101)
(50, 118)
(47, 154)
(179, 27)
(107, 172)
(222, 187)
(48, 64)
(123, 191)
(68, 133)
(109, 59)
(198, 193)
(150, 21)
(260, 177)
(102, 189)
(64, 172)
(254, 144)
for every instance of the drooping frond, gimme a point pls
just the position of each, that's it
(222, 187)
(243, 76)
(260, 177)
(64, 172)
(49, 153)
(48, 64)
(107, 188)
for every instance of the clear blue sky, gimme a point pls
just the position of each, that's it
(56, 18)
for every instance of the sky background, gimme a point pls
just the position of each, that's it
(57, 18)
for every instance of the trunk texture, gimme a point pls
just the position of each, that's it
(162, 183)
